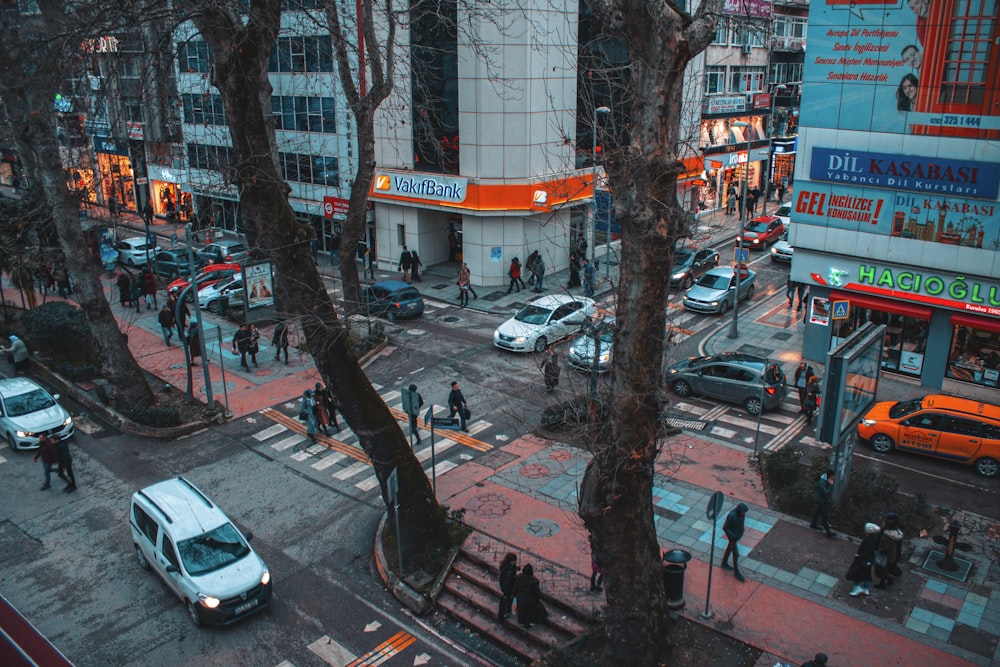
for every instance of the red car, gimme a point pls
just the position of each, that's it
(761, 232)
(209, 275)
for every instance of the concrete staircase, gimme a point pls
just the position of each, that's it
(471, 594)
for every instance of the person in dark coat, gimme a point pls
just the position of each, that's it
(824, 490)
(733, 529)
(508, 576)
(194, 341)
(529, 264)
(181, 314)
(322, 413)
(550, 368)
(280, 340)
(405, 262)
(149, 288)
(457, 405)
(415, 265)
(241, 344)
(860, 571)
(574, 271)
(528, 593)
(50, 458)
(124, 288)
(813, 392)
(65, 465)
(819, 661)
(801, 378)
(167, 322)
(891, 544)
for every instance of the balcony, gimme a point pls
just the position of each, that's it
(791, 44)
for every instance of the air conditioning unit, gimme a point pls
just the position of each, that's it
(747, 49)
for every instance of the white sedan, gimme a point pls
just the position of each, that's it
(543, 321)
(220, 295)
(135, 251)
(27, 411)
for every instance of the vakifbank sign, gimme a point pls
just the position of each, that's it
(430, 187)
(929, 175)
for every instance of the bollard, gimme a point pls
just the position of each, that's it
(674, 564)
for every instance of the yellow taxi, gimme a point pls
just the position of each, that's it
(946, 427)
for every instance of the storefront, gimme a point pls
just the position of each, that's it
(166, 196)
(115, 172)
(941, 329)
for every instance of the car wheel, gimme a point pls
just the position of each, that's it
(750, 292)
(130, 261)
(753, 405)
(189, 298)
(141, 557)
(681, 388)
(724, 307)
(763, 246)
(193, 613)
(213, 307)
(541, 344)
(988, 467)
(390, 315)
(686, 285)
(882, 443)
(12, 442)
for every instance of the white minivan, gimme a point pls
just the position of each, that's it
(184, 537)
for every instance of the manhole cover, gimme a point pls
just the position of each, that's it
(685, 424)
(451, 318)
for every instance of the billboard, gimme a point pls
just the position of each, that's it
(913, 67)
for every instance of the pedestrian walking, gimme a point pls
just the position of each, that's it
(790, 291)
(113, 207)
(539, 274)
(731, 199)
(254, 344)
(550, 368)
(193, 341)
(860, 571)
(405, 262)
(588, 277)
(890, 551)
(464, 282)
(167, 322)
(802, 291)
(124, 284)
(752, 197)
(181, 312)
(415, 265)
(241, 344)
(514, 273)
(65, 465)
(147, 213)
(813, 392)
(17, 354)
(148, 287)
(322, 414)
(824, 493)
(458, 406)
(50, 459)
(528, 593)
(332, 405)
(819, 661)
(136, 292)
(733, 529)
(801, 379)
(574, 271)
(307, 413)
(529, 264)
(280, 340)
(416, 402)
(507, 579)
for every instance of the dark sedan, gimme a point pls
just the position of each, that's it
(174, 263)
(690, 263)
(394, 299)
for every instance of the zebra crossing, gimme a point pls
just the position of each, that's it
(340, 456)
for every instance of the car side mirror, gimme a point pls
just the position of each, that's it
(248, 535)
(172, 568)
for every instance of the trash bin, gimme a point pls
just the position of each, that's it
(674, 564)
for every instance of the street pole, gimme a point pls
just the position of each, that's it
(592, 228)
(734, 327)
(200, 322)
(594, 368)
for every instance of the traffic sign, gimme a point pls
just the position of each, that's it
(715, 505)
(744, 271)
(741, 255)
(841, 310)
(445, 422)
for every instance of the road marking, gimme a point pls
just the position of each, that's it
(269, 432)
(322, 440)
(290, 441)
(350, 471)
(373, 626)
(752, 425)
(328, 460)
(384, 651)
(331, 652)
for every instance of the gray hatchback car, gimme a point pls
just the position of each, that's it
(746, 379)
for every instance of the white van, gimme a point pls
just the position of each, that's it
(203, 558)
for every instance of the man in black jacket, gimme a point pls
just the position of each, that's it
(457, 405)
(733, 528)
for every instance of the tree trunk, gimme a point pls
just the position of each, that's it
(616, 493)
(240, 75)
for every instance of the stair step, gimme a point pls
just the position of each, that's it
(560, 616)
(488, 626)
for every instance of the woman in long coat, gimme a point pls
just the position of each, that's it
(528, 593)
(508, 576)
(322, 415)
(860, 571)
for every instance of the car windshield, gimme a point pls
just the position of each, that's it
(715, 281)
(683, 257)
(904, 408)
(407, 294)
(533, 315)
(24, 404)
(235, 249)
(758, 227)
(784, 210)
(213, 550)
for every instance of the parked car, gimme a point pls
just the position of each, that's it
(27, 412)
(715, 291)
(394, 299)
(174, 263)
(202, 557)
(134, 251)
(754, 382)
(784, 213)
(946, 427)
(219, 296)
(761, 232)
(231, 251)
(209, 275)
(690, 263)
(581, 351)
(544, 320)
(782, 250)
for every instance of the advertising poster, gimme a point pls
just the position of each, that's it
(914, 67)
(259, 285)
(819, 311)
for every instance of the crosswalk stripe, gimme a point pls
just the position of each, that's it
(368, 483)
(328, 460)
(384, 651)
(269, 432)
(290, 441)
(439, 446)
(722, 432)
(460, 438)
(350, 471)
(325, 441)
(733, 420)
(391, 396)
(331, 652)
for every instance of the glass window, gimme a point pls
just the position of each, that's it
(975, 356)
(169, 552)
(960, 426)
(715, 78)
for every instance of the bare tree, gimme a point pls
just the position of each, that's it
(616, 493)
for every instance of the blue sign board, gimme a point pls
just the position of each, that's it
(741, 255)
(841, 309)
(602, 213)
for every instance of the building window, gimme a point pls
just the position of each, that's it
(975, 356)
(747, 34)
(210, 158)
(193, 56)
(302, 54)
(204, 109)
(968, 50)
(744, 80)
(721, 32)
(905, 338)
(790, 26)
(304, 114)
(316, 169)
(715, 80)
(789, 74)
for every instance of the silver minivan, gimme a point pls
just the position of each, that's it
(180, 534)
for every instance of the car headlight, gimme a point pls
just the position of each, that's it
(520, 339)
(677, 276)
(208, 601)
(265, 578)
(868, 422)
(715, 303)
(606, 356)
(25, 434)
(67, 421)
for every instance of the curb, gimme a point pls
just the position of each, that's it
(413, 599)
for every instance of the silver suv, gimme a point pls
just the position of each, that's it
(751, 381)
(202, 557)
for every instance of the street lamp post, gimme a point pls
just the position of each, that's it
(734, 326)
(770, 122)
(592, 229)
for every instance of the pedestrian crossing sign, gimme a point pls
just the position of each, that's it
(841, 309)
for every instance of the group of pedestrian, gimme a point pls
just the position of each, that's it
(409, 264)
(521, 591)
(807, 384)
(246, 342)
(318, 409)
(794, 288)
(535, 265)
(55, 453)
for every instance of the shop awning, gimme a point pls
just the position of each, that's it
(981, 323)
(884, 305)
